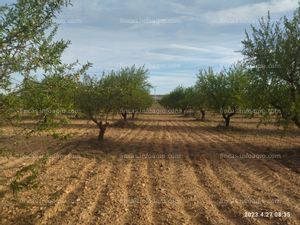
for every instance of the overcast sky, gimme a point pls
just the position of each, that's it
(173, 38)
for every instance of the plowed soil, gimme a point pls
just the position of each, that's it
(166, 170)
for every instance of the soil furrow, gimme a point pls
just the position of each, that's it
(168, 208)
(216, 189)
(257, 166)
(66, 196)
(112, 204)
(247, 174)
(81, 203)
(196, 199)
(139, 197)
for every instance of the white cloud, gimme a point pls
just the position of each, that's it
(250, 13)
(169, 57)
(185, 47)
(201, 38)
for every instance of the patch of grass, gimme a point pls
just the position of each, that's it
(5, 152)
(26, 177)
(62, 136)
(17, 185)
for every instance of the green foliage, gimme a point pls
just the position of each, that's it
(133, 90)
(28, 46)
(196, 98)
(123, 91)
(225, 91)
(115, 92)
(272, 53)
(62, 136)
(27, 30)
(185, 98)
(177, 99)
(52, 96)
(10, 108)
(27, 176)
(97, 99)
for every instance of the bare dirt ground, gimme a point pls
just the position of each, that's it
(166, 170)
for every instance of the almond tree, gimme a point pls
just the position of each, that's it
(272, 52)
(176, 100)
(134, 90)
(197, 102)
(95, 98)
(142, 101)
(224, 91)
(27, 30)
(51, 96)
(27, 47)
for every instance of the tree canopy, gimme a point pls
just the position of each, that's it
(27, 31)
(133, 90)
(272, 52)
(115, 92)
(176, 99)
(28, 48)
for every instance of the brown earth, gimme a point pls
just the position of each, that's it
(165, 170)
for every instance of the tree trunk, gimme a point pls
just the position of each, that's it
(45, 118)
(227, 121)
(102, 129)
(228, 116)
(202, 114)
(133, 115)
(101, 134)
(124, 115)
(182, 111)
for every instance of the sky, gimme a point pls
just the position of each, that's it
(172, 38)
